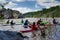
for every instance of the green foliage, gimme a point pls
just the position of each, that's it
(53, 11)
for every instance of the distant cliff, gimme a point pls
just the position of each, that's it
(10, 14)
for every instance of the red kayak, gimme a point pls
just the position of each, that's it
(25, 31)
(30, 30)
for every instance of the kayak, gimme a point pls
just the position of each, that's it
(44, 23)
(25, 31)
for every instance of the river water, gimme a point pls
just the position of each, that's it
(53, 35)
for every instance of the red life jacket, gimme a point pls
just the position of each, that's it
(38, 22)
(34, 27)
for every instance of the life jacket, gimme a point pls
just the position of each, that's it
(34, 27)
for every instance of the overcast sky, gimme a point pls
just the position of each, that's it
(30, 5)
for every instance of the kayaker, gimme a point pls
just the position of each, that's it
(22, 21)
(54, 21)
(7, 22)
(26, 24)
(39, 21)
(34, 29)
(11, 23)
